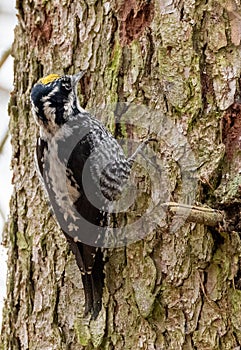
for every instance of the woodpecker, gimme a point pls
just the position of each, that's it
(83, 169)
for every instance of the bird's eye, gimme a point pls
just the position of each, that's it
(67, 86)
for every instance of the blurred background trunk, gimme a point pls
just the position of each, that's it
(175, 289)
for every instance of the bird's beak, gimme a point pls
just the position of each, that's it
(76, 77)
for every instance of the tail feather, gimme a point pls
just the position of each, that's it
(97, 279)
(87, 284)
(90, 262)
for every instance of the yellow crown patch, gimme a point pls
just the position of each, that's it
(49, 78)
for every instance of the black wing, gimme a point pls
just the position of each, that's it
(89, 258)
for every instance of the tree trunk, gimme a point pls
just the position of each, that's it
(176, 66)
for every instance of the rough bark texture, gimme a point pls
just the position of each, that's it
(178, 290)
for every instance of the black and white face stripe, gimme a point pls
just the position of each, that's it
(53, 101)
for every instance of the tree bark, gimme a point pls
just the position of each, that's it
(176, 64)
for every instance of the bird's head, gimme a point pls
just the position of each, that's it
(54, 98)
